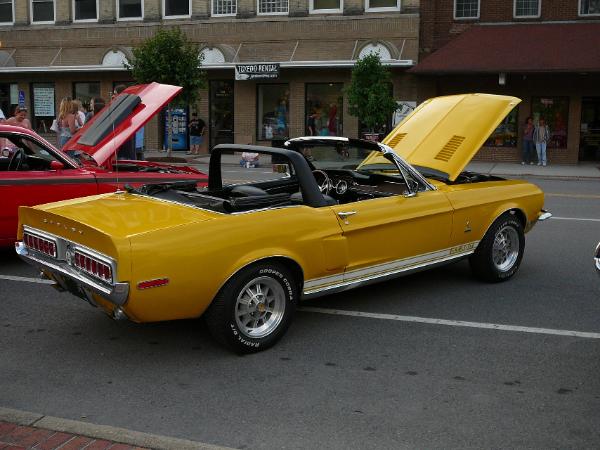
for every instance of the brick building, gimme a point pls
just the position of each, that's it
(56, 48)
(546, 52)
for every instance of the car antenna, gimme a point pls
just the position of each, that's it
(115, 150)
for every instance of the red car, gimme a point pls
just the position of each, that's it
(33, 171)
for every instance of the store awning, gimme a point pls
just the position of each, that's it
(520, 48)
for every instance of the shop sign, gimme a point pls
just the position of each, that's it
(256, 71)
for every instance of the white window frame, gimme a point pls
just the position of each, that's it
(579, 13)
(539, 2)
(212, 8)
(312, 9)
(40, 22)
(282, 13)
(85, 20)
(164, 2)
(124, 19)
(12, 2)
(467, 18)
(382, 9)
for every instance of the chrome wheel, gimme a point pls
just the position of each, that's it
(260, 307)
(505, 250)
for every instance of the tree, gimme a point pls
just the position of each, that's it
(170, 58)
(369, 96)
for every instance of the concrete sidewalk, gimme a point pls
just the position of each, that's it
(582, 171)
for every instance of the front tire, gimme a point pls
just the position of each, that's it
(499, 254)
(254, 309)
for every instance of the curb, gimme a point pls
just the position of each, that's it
(115, 434)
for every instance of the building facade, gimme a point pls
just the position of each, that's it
(275, 68)
(547, 52)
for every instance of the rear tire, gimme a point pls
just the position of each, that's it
(498, 255)
(254, 309)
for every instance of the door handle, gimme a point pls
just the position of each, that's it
(345, 214)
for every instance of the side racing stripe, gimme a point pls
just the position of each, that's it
(389, 268)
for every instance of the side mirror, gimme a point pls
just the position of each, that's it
(56, 165)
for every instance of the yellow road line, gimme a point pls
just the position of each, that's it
(592, 196)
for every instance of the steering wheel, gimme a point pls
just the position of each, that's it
(16, 159)
(323, 181)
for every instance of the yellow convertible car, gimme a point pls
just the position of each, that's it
(337, 213)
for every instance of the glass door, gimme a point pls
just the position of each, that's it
(221, 112)
(589, 143)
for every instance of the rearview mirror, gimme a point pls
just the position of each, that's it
(56, 165)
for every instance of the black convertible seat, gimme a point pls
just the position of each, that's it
(256, 202)
(245, 190)
(110, 118)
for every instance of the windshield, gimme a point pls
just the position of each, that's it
(335, 156)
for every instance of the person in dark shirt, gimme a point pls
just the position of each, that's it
(197, 128)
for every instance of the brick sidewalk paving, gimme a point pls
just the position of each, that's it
(18, 437)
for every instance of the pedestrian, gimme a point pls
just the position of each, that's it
(541, 136)
(96, 104)
(79, 113)
(528, 147)
(139, 144)
(20, 118)
(197, 128)
(66, 121)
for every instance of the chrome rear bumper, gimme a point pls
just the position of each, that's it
(69, 279)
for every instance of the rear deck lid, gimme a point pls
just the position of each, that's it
(102, 136)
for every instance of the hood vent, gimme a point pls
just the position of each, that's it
(397, 138)
(450, 148)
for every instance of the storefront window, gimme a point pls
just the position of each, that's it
(177, 8)
(325, 5)
(6, 11)
(85, 91)
(9, 98)
(324, 106)
(273, 107)
(505, 135)
(466, 9)
(85, 9)
(555, 110)
(589, 7)
(42, 11)
(130, 9)
(43, 101)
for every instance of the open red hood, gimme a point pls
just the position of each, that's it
(102, 136)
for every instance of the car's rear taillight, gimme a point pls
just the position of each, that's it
(93, 266)
(42, 244)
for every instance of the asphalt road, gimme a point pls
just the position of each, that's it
(341, 381)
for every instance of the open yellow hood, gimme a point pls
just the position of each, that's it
(444, 133)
